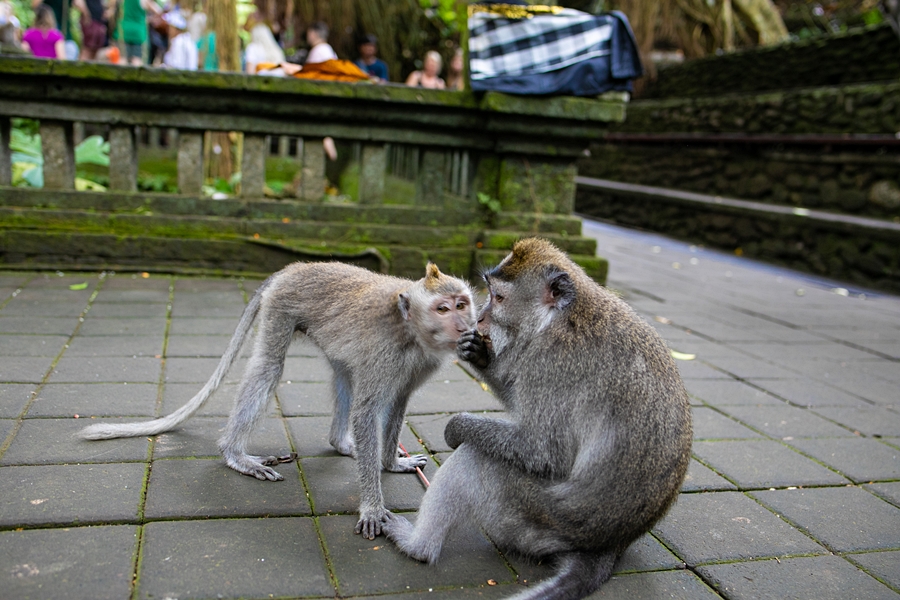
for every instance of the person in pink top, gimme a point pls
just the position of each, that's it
(44, 40)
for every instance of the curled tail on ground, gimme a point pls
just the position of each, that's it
(105, 431)
(577, 575)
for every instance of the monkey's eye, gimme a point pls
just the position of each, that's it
(499, 298)
(442, 309)
(461, 306)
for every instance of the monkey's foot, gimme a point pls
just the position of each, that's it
(344, 446)
(408, 464)
(370, 522)
(255, 466)
(400, 531)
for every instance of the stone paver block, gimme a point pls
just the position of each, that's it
(44, 307)
(696, 369)
(197, 346)
(205, 326)
(200, 435)
(883, 565)
(13, 398)
(175, 395)
(809, 578)
(722, 526)
(38, 325)
(786, 421)
(230, 558)
(100, 369)
(482, 591)
(77, 563)
(678, 585)
(70, 494)
(860, 459)
(116, 345)
(95, 399)
(306, 369)
(871, 421)
(866, 522)
(888, 491)
(764, 463)
(208, 488)
(32, 345)
(375, 566)
(199, 370)
(6, 427)
(727, 392)
(701, 478)
(139, 310)
(430, 429)
(710, 424)
(750, 368)
(210, 305)
(439, 396)
(130, 326)
(54, 441)
(24, 369)
(806, 392)
(310, 436)
(301, 399)
(333, 486)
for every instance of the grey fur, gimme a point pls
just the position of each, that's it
(599, 435)
(383, 337)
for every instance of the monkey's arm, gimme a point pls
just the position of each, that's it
(507, 441)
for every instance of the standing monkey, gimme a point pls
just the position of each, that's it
(599, 435)
(383, 337)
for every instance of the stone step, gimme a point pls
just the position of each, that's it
(573, 244)
(596, 267)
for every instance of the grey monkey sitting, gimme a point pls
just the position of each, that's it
(598, 439)
(383, 337)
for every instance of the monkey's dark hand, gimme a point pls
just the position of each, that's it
(473, 347)
(454, 432)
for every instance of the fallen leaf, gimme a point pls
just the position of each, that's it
(491, 582)
(663, 320)
(78, 286)
(682, 355)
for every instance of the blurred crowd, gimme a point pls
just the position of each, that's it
(145, 32)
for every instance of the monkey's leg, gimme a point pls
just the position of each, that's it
(453, 495)
(364, 418)
(340, 437)
(260, 379)
(390, 460)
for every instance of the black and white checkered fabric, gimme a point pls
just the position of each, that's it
(500, 46)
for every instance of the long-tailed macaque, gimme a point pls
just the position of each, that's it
(383, 337)
(598, 438)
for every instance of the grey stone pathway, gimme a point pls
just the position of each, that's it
(794, 491)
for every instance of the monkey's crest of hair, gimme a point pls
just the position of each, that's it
(529, 254)
(437, 283)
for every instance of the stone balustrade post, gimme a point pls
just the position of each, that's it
(313, 173)
(371, 174)
(253, 166)
(430, 181)
(57, 144)
(5, 153)
(190, 161)
(123, 163)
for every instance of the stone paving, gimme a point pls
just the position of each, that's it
(794, 490)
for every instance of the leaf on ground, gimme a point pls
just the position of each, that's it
(682, 355)
(78, 286)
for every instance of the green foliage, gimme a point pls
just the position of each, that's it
(442, 13)
(28, 157)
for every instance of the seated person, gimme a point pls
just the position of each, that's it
(428, 77)
(369, 62)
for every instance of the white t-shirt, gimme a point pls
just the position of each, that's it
(182, 53)
(320, 53)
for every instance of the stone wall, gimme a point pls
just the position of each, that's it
(869, 54)
(860, 109)
(860, 181)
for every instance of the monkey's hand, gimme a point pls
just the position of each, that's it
(370, 522)
(473, 347)
(408, 464)
(455, 431)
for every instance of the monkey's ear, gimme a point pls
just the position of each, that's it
(403, 303)
(560, 290)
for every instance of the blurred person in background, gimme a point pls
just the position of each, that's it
(44, 39)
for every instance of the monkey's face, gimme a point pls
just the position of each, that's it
(451, 316)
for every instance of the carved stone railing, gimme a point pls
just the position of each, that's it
(520, 151)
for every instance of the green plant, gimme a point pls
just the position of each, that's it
(28, 159)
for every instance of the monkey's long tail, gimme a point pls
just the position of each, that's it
(105, 431)
(578, 574)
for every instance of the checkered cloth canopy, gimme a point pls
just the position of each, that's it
(503, 46)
